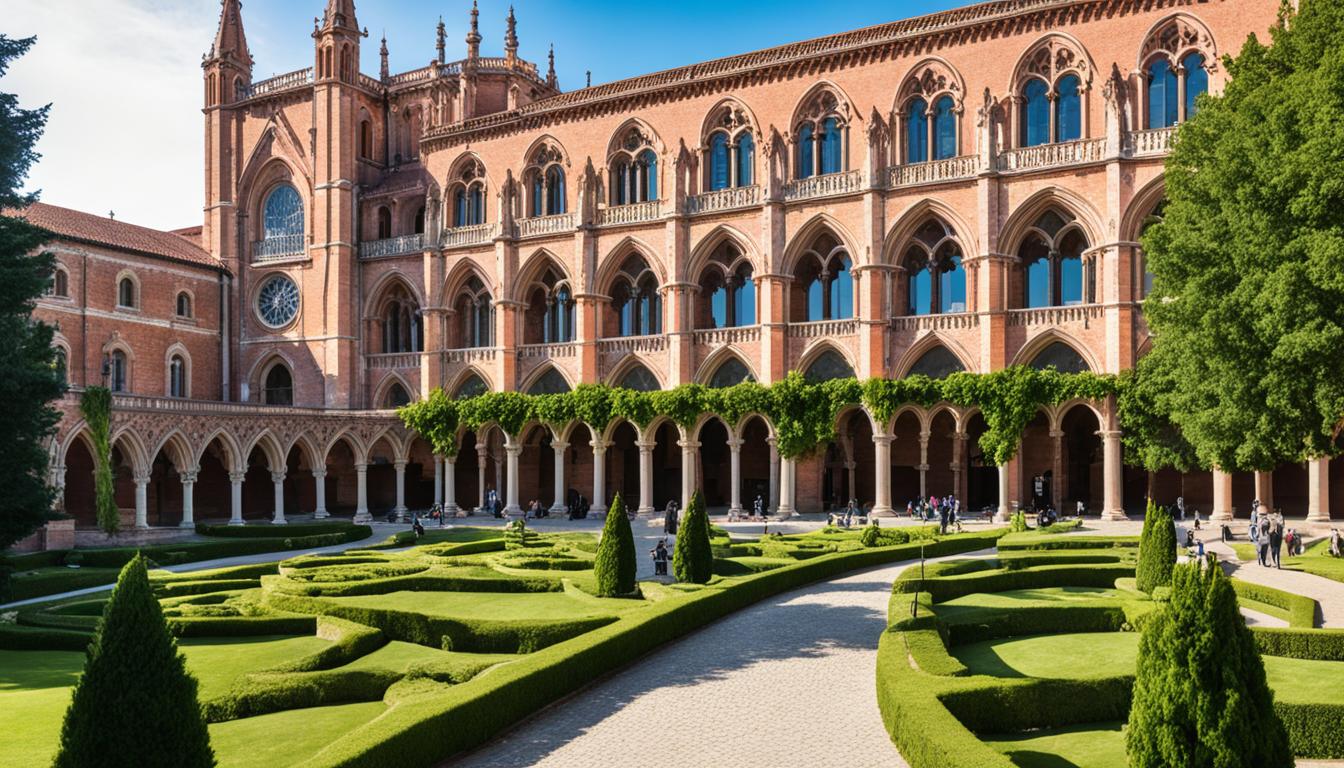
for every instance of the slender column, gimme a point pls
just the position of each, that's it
(645, 477)
(278, 518)
(735, 475)
(1222, 496)
(598, 505)
(1057, 487)
(141, 500)
(320, 492)
(558, 505)
(771, 502)
(1180, 100)
(188, 506)
(438, 479)
(786, 487)
(1264, 488)
(450, 485)
(58, 483)
(480, 475)
(1113, 506)
(924, 460)
(512, 451)
(362, 494)
(882, 475)
(850, 472)
(236, 498)
(400, 509)
(1005, 510)
(1318, 486)
(689, 449)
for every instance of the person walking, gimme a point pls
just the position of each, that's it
(1180, 507)
(1276, 537)
(942, 518)
(1262, 538)
(1253, 531)
(660, 558)
(670, 519)
(1335, 544)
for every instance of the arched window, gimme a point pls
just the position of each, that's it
(419, 224)
(1196, 81)
(401, 322)
(476, 312)
(1146, 287)
(842, 290)
(944, 129)
(278, 389)
(396, 397)
(731, 371)
(640, 380)
(936, 279)
(365, 140)
(832, 160)
(937, 363)
(384, 222)
(719, 174)
(829, 365)
(824, 287)
(729, 149)
(467, 195)
(549, 383)
(726, 281)
(1061, 357)
(634, 169)
(1068, 109)
(283, 220)
(126, 293)
(177, 377)
(550, 310)
(1164, 108)
(917, 132)
(61, 362)
(555, 190)
(746, 159)
(60, 284)
(184, 304)
(821, 132)
(118, 373)
(544, 179)
(1175, 58)
(473, 386)
(806, 151)
(635, 300)
(1052, 261)
(1035, 113)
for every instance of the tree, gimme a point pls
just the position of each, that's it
(1157, 549)
(1200, 696)
(693, 558)
(1247, 312)
(95, 405)
(135, 704)
(32, 378)
(615, 564)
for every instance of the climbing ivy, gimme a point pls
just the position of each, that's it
(96, 407)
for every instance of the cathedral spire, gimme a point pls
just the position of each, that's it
(383, 71)
(441, 41)
(511, 37)
(230, 42)
(551, 79)
(340, 13)
(474, 36)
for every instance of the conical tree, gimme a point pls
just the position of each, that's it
(1200, 695)
(1157, 549)
(135, 704)
(615, 564)
(693, 559)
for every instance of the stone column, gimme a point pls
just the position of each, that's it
(1318, 488)
(1113, 477)
(438, 479)
(735, 476)
(773, 501)
(558, 505)
(320, 492)
(688, 454)
(786, 488)
(1005, 512)
(958, 448)
(362, 494)
(400, 509)
(450, 485)
(882, 475)
(512, 451)
(598, 505)
(236, 497)
(1264, 488)
(1222, 496)
(1057, 487)
(278, 517)
(480, 476)
(58, 483)
(141, 500)
(645, 477)
(188, 507)
(924, 461)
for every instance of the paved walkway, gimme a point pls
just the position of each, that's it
(1328, 593)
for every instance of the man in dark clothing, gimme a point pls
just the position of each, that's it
(670, 519)
(942, 518)
(660, 558)
(1262, 541)
(1276, 538)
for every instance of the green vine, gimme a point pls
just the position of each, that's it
(96, 406)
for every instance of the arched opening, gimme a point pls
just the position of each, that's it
(982, 477)
(942, 478)
(258, 487)
(475, 312)
(381, 480)
(212, 496)
(278, 386)
(472, 386)
(823, 287)
(549, 383)
(384, 222)
(1061, 357)
(1082, 478)
(1052, 263)
(847, 468)
(756, 464)
(79, 494)
(906, 477)
(396, 396)
(399, 314)
(550, 310)
(666, 466)
(827, 366)
(634, 169)
(937, 363)
(731, 371)
(715, 467)
(184, 305)
(622, 458)
(935, 277)
(640, 379)
(1037, 462)
(579, 467)
(727, 296)
(126, 297)
(636, 304)
(282, 224)
(177, 376)
(536, 468)
(163, 496)
(467, 469)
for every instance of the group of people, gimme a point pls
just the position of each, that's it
(1268, 534)
(757, 513)
(946, 510)
(848, 516)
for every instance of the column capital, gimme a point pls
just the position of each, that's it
(688, 445)
(599, 446)
(559, 445)
(188, 477)
(1058, 433)
(277, 477)
(237, 477)
(883, 439)
(1110, 434)
(400, 464)
(319, 474)
(361, 468)
(513, 449)
(736, 443)
(141, 478)
(645, 446)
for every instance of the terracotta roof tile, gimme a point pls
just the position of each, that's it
(181, 245)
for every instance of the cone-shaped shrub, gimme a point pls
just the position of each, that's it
(1200, 695)
(1157, 549)
(135, 704)
(693, 559)
(615, 564)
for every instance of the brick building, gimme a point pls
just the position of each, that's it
(959, 191)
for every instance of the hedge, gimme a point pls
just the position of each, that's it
(1313, 729)
(944, 589)
(242, 626)
(433, 580)
(349, 641)
(1035, 620)
(205, 586)
(1007, 705)
(289, 531)
(15, 637)
(261, 693)
(1319, 644)
(1301, 609)
(1046, 541)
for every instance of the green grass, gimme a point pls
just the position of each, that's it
(495, 606)
(1094, 745)
(1023, 598)
(35, 687)
(1302, 681)
(1076, 655)
(286, 738)
(41, 582)
(219, 662)
(1265, 608)
(399, 657)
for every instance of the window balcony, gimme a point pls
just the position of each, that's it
(826, 185)
(727, 199)
(1057, 155)
(469, 355)
(278, 248)
(1072, 313)
(554, 351)
(392, 246)
(621, 346)
(824, 328)
(634, 213)
(724, 336)
(546, 225)
(953, 321)
(1154, 142)
(933, 172)
(477, 234)
(387, 360)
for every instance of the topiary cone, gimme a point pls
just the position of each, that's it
(1157, 549)
(693, 558)
(615, 564)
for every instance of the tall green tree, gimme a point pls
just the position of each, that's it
(615, 565)
(1157, 549)
(135, 705)
(1200, 695)
(1247, 311)
(693, 557)
(31, 377)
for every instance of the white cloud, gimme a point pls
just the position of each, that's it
(124, 80)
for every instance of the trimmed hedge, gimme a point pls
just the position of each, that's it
(944, 589)
(1035, 620)
(289, 531)
(15, 637)
(242, 626)
(1032, 541)
(1005, 705)
(1301, 609)
(261, 693)
(433, 580)
(464, 548)
(1319, 644)
(1313, 729)
(349, 641)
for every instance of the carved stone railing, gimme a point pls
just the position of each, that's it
(950, 322)
(549, 351)
(1148, 143)
(393, 360)
(1055, 155)
(633, 213)
(1084, 313)
(721, 336)
(414, 76)
(933, 172)
(280, 83)
(392, 246)
(476, 234)
(825, 185)
(277, 248)
(469, 355)
(545, 225)
(627, 344)
(371, 83)
(724, 199)
(824, 328)
(123, 403)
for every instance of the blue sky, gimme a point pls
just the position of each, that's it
(124, 76)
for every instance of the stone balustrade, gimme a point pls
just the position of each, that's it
(724, 200)
(476, 234)
(392, 246)
(933, 172)
(824, 329)
(278, 248)
(1149, 143)
(623, 345)
(469, 355)
(957, 321)
(555, 351)
(1057, 155)
(1074, 313)
(279, 83)
(633, 213)
(545, 225)
(826, 185)
(722, 336)
(386, 360)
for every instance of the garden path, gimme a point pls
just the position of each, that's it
(1329, 594)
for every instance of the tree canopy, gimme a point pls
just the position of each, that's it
(1247, 310)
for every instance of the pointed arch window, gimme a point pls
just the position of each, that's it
(731, 371)
(1068, 109)
(825, 285)
(396, 397)
(806, 151)
(278, 389)
(184, 305)
(126, 293)
(550, 310)
(282, 224)
(473, 386)
(1054, 272)
(917, 131)
(1035, 113)
(466, 194)
(544, 178)
(419, 224)
(1061, 357)
(944, 129)
(937, 363)
(1163, 101)
(384, 222)
(746, 159)
(61, 362)
(177, 377)
(719, 171)
(636, 300)
(639, 379)
(821, 132)
(726, 284)
(59, 286)
(476, 315)
(828, 366)
(118, 372)
(634, 170)
(934, 273)
(402, 330)
(1196, 81)
(549, 383)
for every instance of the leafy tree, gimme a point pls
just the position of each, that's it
(615, 564)
(32, 378)
(1200, 696)
(1157, 548)
(693, 558)
(1247, 310)
(135, 704)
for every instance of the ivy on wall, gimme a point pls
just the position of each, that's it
(803, 413)
(96, 406)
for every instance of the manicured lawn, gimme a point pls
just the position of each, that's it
(398, 656)
(286, 738)
(1023, 598)
(218, 662)
(1076, 655)
(34, 693)
(1095, 745)
(40, 582)
(1316, 560)
(493, 606)
(1304, 681)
